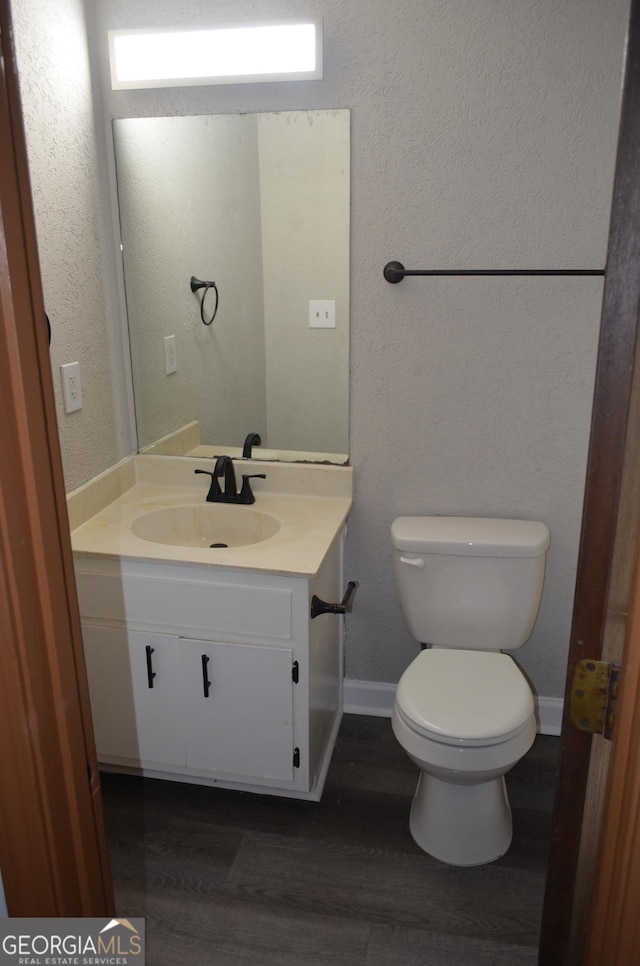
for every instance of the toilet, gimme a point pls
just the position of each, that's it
(469, 589)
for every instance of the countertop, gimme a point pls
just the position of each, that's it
(311, 503)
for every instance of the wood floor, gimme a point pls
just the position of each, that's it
(229, 878)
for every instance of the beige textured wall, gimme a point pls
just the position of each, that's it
(67, 157)
(483, 135)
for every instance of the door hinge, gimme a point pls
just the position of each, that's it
(296, 757)
(594, 695)
(295, 672)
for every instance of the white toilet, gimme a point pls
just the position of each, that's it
(464, 713)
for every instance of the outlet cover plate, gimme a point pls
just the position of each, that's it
(322, 314)
(71, 387)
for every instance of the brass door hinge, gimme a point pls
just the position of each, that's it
(594, 694)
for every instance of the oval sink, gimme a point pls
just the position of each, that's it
(206, 525)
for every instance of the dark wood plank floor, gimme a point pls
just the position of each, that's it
(231, 879)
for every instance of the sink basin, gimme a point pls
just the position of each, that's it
(206, 525)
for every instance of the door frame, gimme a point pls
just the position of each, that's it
(562, 938)
(614, 928)
(53, 852)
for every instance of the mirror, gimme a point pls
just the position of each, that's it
(259, 205)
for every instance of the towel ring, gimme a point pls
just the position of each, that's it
(197, 284)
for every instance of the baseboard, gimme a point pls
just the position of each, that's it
(368, 697)
(549, 712)
(376, 698)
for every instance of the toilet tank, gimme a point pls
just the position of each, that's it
(468, 582)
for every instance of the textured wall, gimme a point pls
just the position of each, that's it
(72, 208)
(483, 135)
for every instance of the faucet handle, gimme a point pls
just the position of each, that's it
(246, 493)
(215, 492)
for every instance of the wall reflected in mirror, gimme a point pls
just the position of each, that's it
(258, 204)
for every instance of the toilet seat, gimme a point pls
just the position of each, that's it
(461, 697)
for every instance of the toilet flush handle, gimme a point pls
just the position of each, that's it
(412, 561)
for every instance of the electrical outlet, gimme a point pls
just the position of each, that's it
(170, 354)
(71, 387)
(322, 314)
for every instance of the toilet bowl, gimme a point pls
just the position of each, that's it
(464, 718)
(463, 710)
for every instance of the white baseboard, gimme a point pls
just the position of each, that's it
(368, 697)
(549, 713)
(376, 698)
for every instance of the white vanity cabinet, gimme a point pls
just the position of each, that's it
(159, 700)
(213, 675)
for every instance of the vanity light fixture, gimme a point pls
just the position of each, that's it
(220, 55)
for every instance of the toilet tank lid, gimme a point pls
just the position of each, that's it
(471, 536)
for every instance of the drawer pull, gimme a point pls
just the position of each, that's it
(150, 672)
(206, 683)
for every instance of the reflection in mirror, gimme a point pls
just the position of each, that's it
(258, 204)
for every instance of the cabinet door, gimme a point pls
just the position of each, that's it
(134, 686)
(238, 708)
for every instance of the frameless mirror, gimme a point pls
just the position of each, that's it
(259, 205)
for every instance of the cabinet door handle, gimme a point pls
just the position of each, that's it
(150, 672)
(206, 683)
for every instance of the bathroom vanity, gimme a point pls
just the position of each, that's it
(204, 663)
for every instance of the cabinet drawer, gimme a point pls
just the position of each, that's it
(194, 606)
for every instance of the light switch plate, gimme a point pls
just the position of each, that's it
(170, 354)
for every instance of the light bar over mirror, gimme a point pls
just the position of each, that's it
(220, 55)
